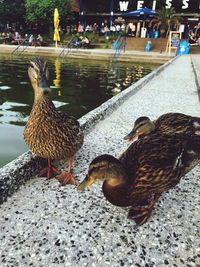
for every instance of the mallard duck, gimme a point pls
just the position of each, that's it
(49, 133)
(167, 124)
(149, 167)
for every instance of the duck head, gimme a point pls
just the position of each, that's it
(104, 168)
(39, 74)
(143, 126)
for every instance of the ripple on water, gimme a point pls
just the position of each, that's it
(5, 87)
(23, 82)
(7, 105)
(59, 103)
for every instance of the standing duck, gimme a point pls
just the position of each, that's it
(168, 124)
(149, 167)
(49, 133)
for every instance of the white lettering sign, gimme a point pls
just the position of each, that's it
(168, 3)
(185, 4)
(123, 5)
(140, 4)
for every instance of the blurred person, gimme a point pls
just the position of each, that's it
(39, 40)
(197, 30)
(118, 28)
(31, 40)
(85, 42)
(192, 39)
(80, 28)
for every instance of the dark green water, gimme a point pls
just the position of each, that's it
(78, 86)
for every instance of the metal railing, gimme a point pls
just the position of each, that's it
(119, 46)
(22, 46)
(68, 47)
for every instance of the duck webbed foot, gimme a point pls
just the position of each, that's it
(49, 171)
(141, 214)
(67, 177)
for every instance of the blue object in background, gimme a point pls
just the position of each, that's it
(148, 46)
(115, 45)
(155, 34)
(183, 48)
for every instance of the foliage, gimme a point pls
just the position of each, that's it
(12, 11)
(165, 19)
(41, 11)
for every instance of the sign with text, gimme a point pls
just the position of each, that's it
(116, 6)
(182, 6)
(173, 40)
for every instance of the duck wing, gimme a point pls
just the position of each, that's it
(178, 123)
(67, 120)
(156, 163)
(69, 130)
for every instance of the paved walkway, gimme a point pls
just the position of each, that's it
(46, 225)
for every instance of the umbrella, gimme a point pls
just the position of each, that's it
(142, 12)
(56, 36)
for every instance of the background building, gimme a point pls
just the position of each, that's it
(189, 9)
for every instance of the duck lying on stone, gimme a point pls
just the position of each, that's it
(168, 124)
(149, 167)
(49, 133)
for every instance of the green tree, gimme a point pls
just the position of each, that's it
(164, 21)
(40, 12)
(12, 12)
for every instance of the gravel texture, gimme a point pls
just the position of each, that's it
(43, 224)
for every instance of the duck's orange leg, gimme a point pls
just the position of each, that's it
(49, 171)
(67, 177)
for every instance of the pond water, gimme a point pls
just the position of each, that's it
(78, 86)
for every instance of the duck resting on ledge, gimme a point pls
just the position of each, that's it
(168, 124)
(149, 167)
(49, 133)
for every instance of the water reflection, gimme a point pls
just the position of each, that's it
(78, 86)
(56, 81)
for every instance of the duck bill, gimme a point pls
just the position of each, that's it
(42, 84)
(86, 183)
(132, 136)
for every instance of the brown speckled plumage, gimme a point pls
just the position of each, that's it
(168, 124)
(52, 134)
(49, 133)
(177, 123)
(149, 167)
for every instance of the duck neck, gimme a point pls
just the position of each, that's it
(42, 105)
(151, 127)
(115, 190)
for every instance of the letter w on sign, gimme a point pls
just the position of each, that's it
(123, 5)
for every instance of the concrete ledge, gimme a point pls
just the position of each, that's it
(99, 54)
(17, 172)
